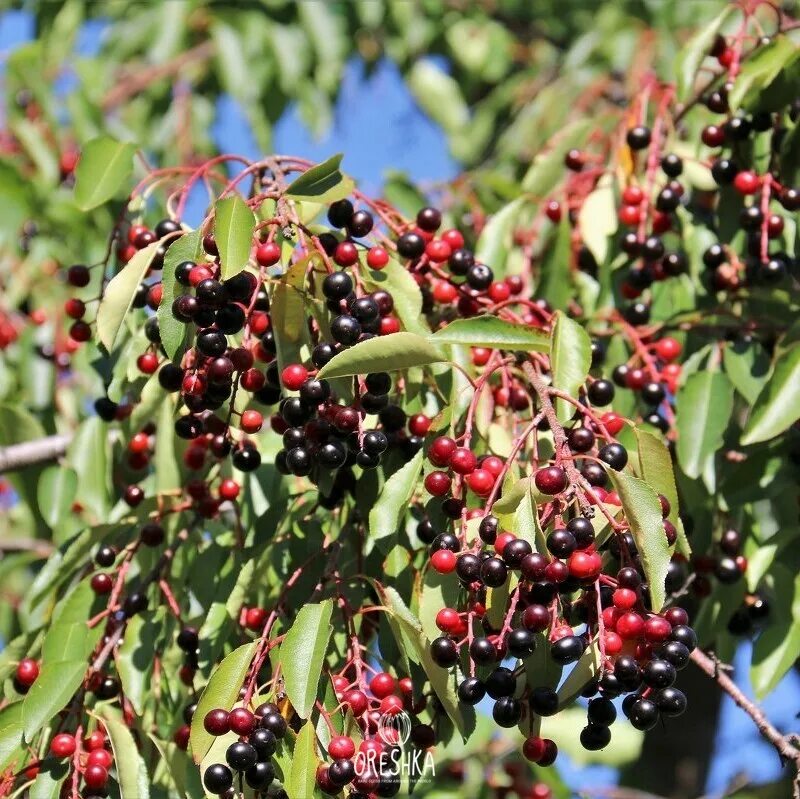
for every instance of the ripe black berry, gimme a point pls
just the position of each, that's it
(507, 711)
(471, 690)
(218, 778)
(638, 138)
(600, 392)
(444, 652)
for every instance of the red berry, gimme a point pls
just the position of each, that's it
(217, 722)
(193, 384)
(499, 291)
(134, 231)
(63, 745)
(493, 465)
(154, 296)
(502, 541)
(382, 684)
(624, 598)
(668, 348)
(346, 253)
(550, 480)
(443, 561)
(613, 422)
(199, 273)
(391, 705)
(746, 182)
(632, 195)
(657, 628)
(533, 748)
(553, 211)
(584, 565)
(613, 643)
(389, 325)
(293, 376)
(725, 58)
(377, 257)
(713, 136)
(80, 331)
(254, 618)
(481, 355)
(95, 740)
(463, 461)
(268, 253)
(441, 450)
(438, 251)
(147, 363)
(676, 616)
(74, 308)
(253, 380)
(437, 484)
(448, 620)
(251, 421)
(27, 672)
(229, 489)
(630, 625)
(241, 721)
(101, 583)
(630, 215)
(100, 757)
(453, 238)
(481, 482)
(419, 424)
(774, 225)
(341, 747)
(181, 737)
(95, 776)
(444, 292)
(139, 443)
(357, 700)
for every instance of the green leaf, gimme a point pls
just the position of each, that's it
(761, 69)
(570, 359)
(303, 653)
(655, 468)
(438, 95)
(49, 780)
(643, 512)
(134, 657)
(105, 164)
(702, 409)
(583, 672)
(323, 183)
(132, 776)
(65, 650)
(222, 690)
(489, 331)
(394, 499)
(88, 454)
(695, 50)
(234, 225)
(747, 366)
(778, 646)
(119, 293)
(11, 735)
(597, 219)
(186, 248)
(417, 645)
(555, 273)
(776, 407)
(495, 239)
(288, 311)
(302, 776)
(55, 492)
(382, 354)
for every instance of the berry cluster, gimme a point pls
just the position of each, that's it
(251, 756)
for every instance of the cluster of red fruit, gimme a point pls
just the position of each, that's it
(90, 758)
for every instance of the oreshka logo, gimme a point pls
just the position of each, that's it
(396, 760)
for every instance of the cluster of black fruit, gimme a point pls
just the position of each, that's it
(251, 756)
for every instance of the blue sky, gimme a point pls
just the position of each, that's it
(379, 127)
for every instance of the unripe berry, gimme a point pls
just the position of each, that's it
(268, 253)
(444, 561)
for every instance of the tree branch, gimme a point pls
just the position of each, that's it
(29, 453)
(782, 743)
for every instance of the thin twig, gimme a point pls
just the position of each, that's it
(29, 453)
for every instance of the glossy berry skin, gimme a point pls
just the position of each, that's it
(382, 685)
(550, 480)
(443, 561)
(638, 138)
(471, 691)
(643, 714)
(507, 711)
(27, 671)
(566, 650)
(218, 778)
(241, 721)
(341, 746)
(241, 756)
(95, 776)
(444, 652)
(216, 722)
(63, 745)
(594, 737)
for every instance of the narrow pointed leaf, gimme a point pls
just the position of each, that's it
(234, 225)
(488, 331)
(105, 164)
(570, 359)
